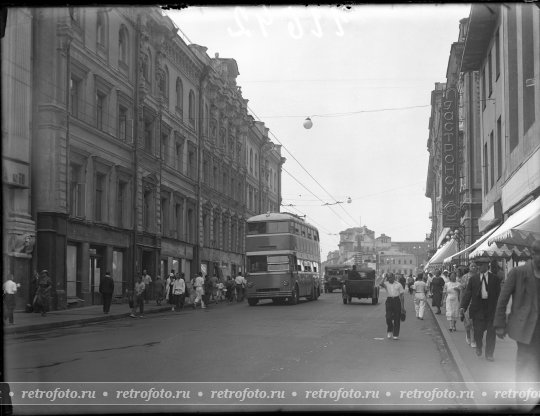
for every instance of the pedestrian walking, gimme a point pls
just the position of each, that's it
(437, 286)
(420, 295)
(9, 300)
(169, 289)
(410, 284)
(208, 288)
(106, 288)
(159, 290)
(214, 279)
(446, 276)
(523, 323)
(428, 283)
(451, 294)
(139, 297)
(497, 270)
(480, 298)
(394, 305)
(33, 286)
(199, 291)
(179, 290)
(220, 293)
(240, 283)
(43, 293)
(465, 317)
(147, 280)
(230, 288)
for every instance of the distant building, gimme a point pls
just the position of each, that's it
(359, 245)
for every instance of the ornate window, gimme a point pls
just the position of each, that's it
(123, 48)
(191, 110)
(164, 82)
(179, 97)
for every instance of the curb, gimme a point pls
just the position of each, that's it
(456, 356)
(74, 322)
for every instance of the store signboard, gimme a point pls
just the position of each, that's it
(450, 175)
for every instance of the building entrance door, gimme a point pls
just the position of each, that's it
(94, 274)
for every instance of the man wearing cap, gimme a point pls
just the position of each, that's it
(480, 298)
(106, 288)
(523, 323)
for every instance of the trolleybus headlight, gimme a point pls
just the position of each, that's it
(285, 283)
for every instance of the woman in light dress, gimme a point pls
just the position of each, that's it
(420, 295)
(451, 293)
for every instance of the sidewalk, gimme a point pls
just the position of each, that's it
(27, 322)
(475, 369)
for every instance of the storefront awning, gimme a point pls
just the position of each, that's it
(500, 252)
(445, 251)
(521, 229)
(471, 247)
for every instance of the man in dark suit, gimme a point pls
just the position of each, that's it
(106, 288)
(480, 297)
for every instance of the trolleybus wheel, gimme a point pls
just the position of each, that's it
(252, 301)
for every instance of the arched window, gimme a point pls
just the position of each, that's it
(251, 160)
(191, 110)
(101, 30)
(164, 82)
(147, 66)
(179, 96)
(123, 45)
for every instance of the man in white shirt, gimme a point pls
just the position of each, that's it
(199, 290)
(394, 305)
(240, 282)
(147, 280)
(10, 288)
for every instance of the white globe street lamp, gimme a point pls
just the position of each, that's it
(308, 123)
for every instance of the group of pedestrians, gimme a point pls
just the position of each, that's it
(177, 291)
(479, 297)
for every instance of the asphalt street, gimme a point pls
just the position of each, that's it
(322, 341)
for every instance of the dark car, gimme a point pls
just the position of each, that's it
(331, 283)
(361, 284)
(334, 277)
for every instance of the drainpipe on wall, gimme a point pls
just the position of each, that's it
(197, 246)
(135, 132)
(62, 304)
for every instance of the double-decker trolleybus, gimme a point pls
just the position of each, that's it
(282, 259)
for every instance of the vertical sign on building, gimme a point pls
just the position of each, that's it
(450, 130)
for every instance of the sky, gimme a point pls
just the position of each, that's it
(364, 75)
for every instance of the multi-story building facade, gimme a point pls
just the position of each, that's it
(434, 176)
(503, 45)
(19, 234)
(139, 151)
(498, 62)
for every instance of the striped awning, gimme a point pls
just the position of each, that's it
(448, 249)
(467, 250)
(521, 229)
